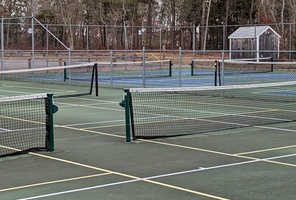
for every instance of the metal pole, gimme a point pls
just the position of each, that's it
(160, 44)
(223, 56)
(290, 42)
(69, 56)
(111, 67)
(144, 70)
(180, 66)
(193, 38)
(2, 46)
(87, 38)
(47, 45)
(33, 43)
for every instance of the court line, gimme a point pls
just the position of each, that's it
(150, 179)
(53, 182)
(180, 146)
(92, 123)
(20, 119)
(262, 127)
(93, 105)
(85, 106)
(220, 152)
(278, 129)
(265, 150)
(97, 100)
(135, 178)
(9, 91)
(90, 131)
(214, 152)
(170, 145)
(107, 126)
(28, 87)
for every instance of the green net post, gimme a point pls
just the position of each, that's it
(216, 71)
(65, 72)
(191, 67)
(170, 69)
(52, 109)
(127, 115)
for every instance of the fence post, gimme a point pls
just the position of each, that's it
(180, 66)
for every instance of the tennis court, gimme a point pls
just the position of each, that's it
(92, 160)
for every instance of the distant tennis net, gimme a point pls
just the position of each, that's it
(201, 67)
(82, 74)
(163, 112)
(244, 71)
(135, 70)
(26, 124)
(263, 70)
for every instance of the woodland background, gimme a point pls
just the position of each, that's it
(132, 24)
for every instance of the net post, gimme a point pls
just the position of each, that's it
(127, 115)
(97, 79)
(51, 110)
(219, 73)
(94, 77)
(65, 72)
(170, 68)
(191, 67)
(215, 74)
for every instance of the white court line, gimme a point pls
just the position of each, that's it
(96, 100)
(91, 123)
(274, 128)
(4, 129)
(95, 107)
(9, 91)
(158, 176)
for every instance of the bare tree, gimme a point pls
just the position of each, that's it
(206, 7)
(69, 12)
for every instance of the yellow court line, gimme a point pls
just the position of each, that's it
(19, 119)
(280, 163)
(128, 176)
(151, 181)
(184, 147)
(53, 182)
(187, 190)
(217, 152)
(118, 173)
(265, 150)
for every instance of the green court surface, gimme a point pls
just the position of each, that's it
(92, 160)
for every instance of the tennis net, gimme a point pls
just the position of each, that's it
(231, 72)
(203, 67)
(82, 74)
(135, 70)
(162, 112)
(26, 124)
